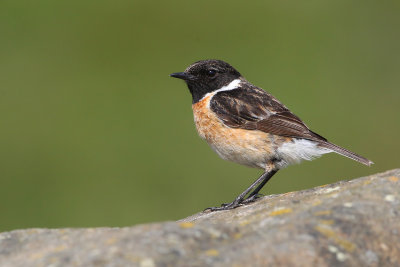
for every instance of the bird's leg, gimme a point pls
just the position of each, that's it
(261, 181)
(254, 195)
(252, 198)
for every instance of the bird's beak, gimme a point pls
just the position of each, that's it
(182, 75)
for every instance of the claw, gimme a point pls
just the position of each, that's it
(252, 198)
(225, 206)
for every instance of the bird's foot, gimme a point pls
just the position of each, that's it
(253, 198)
(236, 203)
(225, 206)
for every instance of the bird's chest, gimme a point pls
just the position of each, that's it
(208, 126)
(238, 145)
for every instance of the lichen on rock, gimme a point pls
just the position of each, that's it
(350, 223)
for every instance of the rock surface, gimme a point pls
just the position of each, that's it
(350, 223)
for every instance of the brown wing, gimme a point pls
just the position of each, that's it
(254, 109)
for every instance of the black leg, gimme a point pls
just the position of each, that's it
(253, 196)
(261, 185)
(261, 181)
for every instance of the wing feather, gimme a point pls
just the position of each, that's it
(252, 108)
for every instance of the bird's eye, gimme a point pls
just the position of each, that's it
(211, 73)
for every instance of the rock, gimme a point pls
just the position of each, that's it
(350, 223)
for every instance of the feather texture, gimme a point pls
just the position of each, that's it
(252, 108)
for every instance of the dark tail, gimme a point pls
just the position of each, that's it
(344, 152)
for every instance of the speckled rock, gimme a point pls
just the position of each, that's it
(350, 223)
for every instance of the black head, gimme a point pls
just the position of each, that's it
(206, 76)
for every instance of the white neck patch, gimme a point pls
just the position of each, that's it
(231, 86)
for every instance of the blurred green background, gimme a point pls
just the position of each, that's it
(95, 133)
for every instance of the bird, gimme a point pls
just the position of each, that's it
(245, 124)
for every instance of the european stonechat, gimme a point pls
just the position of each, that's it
(245, 124)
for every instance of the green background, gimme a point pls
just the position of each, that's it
(95, 133)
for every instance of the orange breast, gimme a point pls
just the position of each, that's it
(249, 147)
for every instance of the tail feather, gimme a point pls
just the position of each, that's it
(344, 152)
